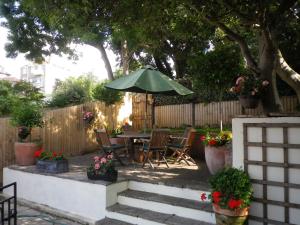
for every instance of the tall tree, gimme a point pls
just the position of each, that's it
(264, 20)
(40, 28)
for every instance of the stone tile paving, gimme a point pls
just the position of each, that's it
(29, 216)
(178, 175)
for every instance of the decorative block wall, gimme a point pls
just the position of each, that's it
(269, 150)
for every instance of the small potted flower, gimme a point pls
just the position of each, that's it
(51, 162)
(217, 150)
(88, 117)
(102, 168)
(231, 195)
(113, 136)
(249, 89)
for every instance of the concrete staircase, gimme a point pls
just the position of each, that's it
(158, 204)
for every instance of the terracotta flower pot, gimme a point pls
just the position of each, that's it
(215, 158)
(117, 141)
(232, 217)
(24, 153)
(249, 102)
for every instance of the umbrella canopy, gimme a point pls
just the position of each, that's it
(150, 81)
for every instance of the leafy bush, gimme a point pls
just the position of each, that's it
(73, 91)
(14, 94)
(231, 189)
(108, 96)
(27, 115)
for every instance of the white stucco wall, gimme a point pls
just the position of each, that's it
(273, 135)
(82, 200)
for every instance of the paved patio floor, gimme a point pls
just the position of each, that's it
(29, 216)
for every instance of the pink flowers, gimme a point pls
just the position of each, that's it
(102, 162)
(265, 83)
(97, 166)
(96, 158)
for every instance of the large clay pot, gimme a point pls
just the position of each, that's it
(24, 153)
(232, 217)
(249, 102)
(215, 158)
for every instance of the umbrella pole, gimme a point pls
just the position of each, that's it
(145, 121)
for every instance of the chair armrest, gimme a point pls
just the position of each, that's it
(175, 137)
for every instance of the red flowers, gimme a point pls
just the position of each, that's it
(202, 138)
(203, 197)
(48, 155)
(38, 153)
(212, 142)
(233, 204)
(216, 196)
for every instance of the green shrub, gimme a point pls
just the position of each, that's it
(26, 116)
(108, 96)
(231, 185)
(13, 94)
(73, 91)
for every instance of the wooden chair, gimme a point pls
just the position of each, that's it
(156, 144)
(181, 150)
(104, 142)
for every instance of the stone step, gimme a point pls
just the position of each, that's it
(147, 217)
(108, 221)
(186, 208)
(183, 191)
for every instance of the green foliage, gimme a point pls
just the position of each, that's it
(14, 94)
(108, 96)
(6, 97)
(232, 183)
(212, 73)
(73, 91)
(27, 114)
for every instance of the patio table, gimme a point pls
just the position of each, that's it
(130, 137)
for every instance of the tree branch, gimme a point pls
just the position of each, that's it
(241, 42)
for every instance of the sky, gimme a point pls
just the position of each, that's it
(60, 67)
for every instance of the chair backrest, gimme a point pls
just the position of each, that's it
(102, 137)
(187, 131)
(159, 138)
(190, 137)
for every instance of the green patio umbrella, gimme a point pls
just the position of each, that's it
(149, 81)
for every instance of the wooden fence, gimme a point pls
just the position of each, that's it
(208, 114)
(64, 130)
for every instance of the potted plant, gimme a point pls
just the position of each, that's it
(88, 117)
(231, 195)
(51, 162)
(25, 116)
(217, 150)
(113, 136)
(102, 168)
(249, 89)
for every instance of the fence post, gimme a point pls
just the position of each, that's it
(193, 114)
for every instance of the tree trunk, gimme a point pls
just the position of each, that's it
(125, 57)
(105, 59)
(287, 74)
(270, 98)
